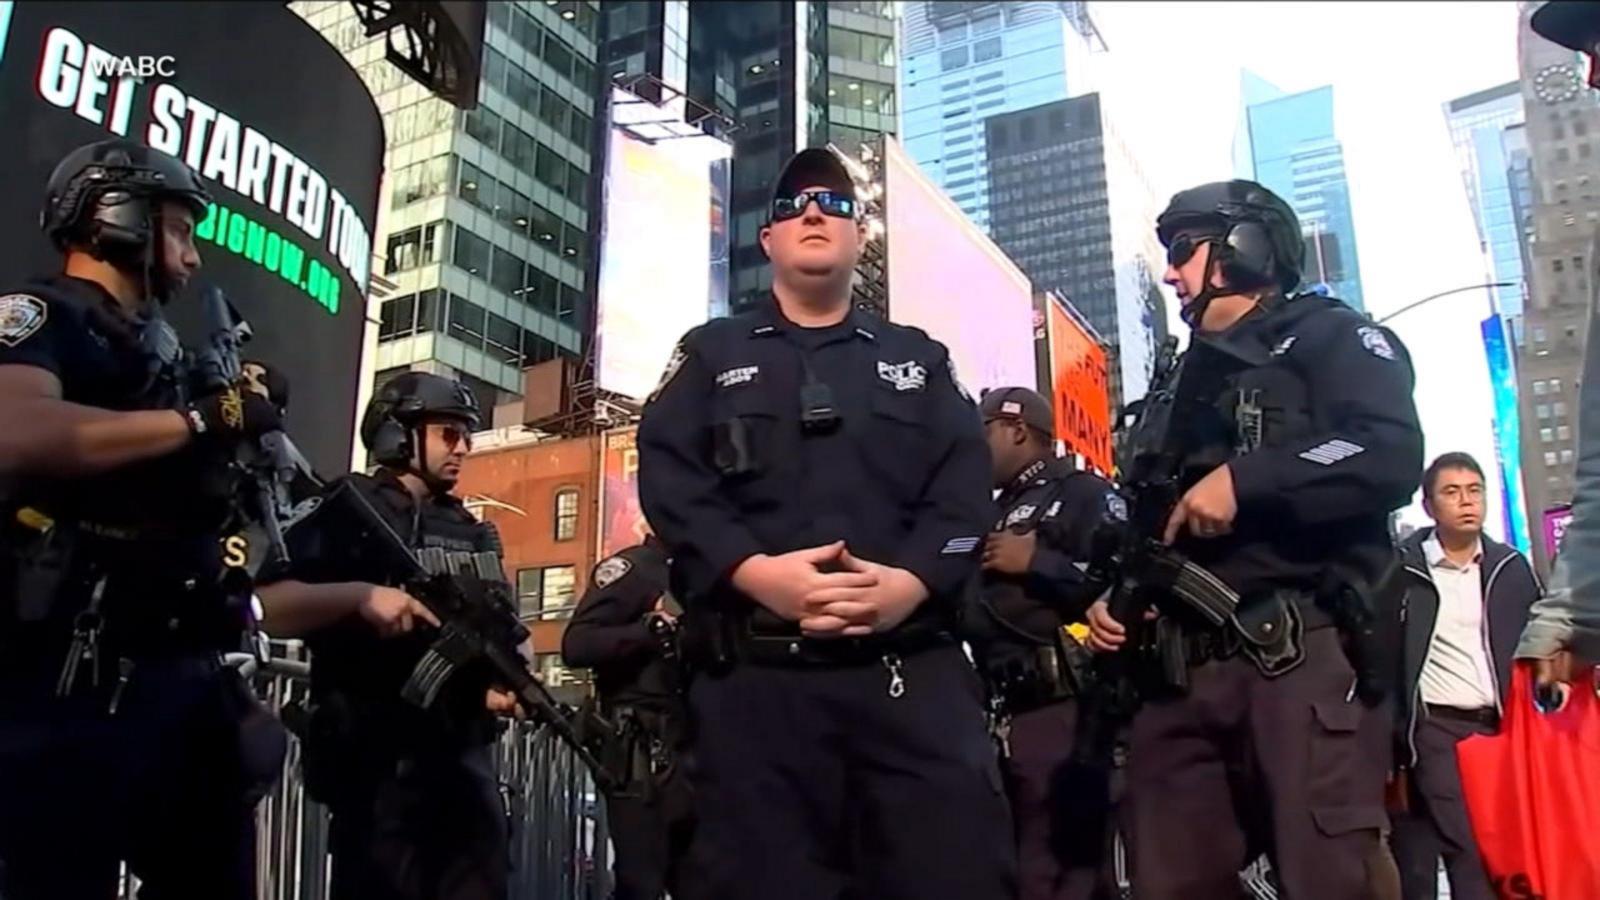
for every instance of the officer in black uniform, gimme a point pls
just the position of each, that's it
(417, 812)
(625, 628)
(120, 730)
(1034, 588)
(1287, 490)
(819, 475)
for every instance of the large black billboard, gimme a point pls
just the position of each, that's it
(285, 133)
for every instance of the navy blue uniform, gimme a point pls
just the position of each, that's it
(638, 679)
(142, 756)
(417, 812)
(1017, 631)
(829, 768)
(1322, 441)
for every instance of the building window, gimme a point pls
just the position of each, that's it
(546, 589)
(1555, 385)
(566, 514)
(952, 59)
(1560, 409)
(471, 253)
(986, 49)
(1546, 435)
(1538, 388)
(1584, 150)
(1550, 458)
(1544, 410)
(1566, 456)
(1563, 432)
(411, 248)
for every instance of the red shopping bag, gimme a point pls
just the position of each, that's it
(1533, 794)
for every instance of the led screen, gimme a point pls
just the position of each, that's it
(1507, 431)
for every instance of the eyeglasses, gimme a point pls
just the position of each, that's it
(454, 436)
(833, 204)
(1455, 492)
(1182, 248)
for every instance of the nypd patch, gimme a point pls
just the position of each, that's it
(1376, 343)
(1021, 514)
(674, 363)
(607, 573)
(21, 316)
(906, 376)
(1116, 507)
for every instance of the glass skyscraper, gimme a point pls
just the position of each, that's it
(1287, 143)
(965, 62)
(484, 218)
(1477, 124)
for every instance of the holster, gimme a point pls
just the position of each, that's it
(1038, 676)
(35, 563)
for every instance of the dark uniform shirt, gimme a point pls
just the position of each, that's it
(1322, 441)
(610, 631)
(349, 657)
(727, 471)
(157, 527)
(1062, 507)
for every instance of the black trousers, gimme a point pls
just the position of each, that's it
(1437, 823)
(1062, 811)
(816, 784)
(654, 841)
(163, 785)
(432, 828)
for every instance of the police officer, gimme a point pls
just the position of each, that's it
(417, 813)
(625, 628)
(818, 475)
(1034, 587)
(1287, 487)
(120, 730)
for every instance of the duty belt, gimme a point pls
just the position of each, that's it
(799, 651)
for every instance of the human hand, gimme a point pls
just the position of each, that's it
(394, 612)
(879, 608)
(1008, 553)
(785, 584)
(1208, 508)
(503, 703)
(232, 413)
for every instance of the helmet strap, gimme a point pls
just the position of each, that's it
(1194, 312)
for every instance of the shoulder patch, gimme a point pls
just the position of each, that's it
(1375, 341)
(607, 573)
(21, 316)
(674, 363)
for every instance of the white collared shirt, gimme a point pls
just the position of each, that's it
(1457, 671)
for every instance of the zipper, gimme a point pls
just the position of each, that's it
(1488, 651)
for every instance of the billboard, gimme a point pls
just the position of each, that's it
(1078, 388)
(292, 155)
(1555, 528)
(947, 278)
(664, 243)
(1507, 427)
(622, 521)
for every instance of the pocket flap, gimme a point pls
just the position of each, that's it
(1336, 820)
(1339, 717)
(903, 408)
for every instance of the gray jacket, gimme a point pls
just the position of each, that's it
(1509, 588)
(1568, 616)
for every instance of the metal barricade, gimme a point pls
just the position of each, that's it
(559, 848)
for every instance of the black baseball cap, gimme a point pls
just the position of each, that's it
(1570, 23)
(812, 166)
(1024, 404)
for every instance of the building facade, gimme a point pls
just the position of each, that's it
(1110, 268)
(1478, 124)
(965, 62)
(788, 74)
(1563, 142)
(484, 217)
(1287, 142)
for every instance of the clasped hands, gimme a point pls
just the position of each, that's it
(831, 592)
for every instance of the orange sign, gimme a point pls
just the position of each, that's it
(622, 521)
(1080, 394)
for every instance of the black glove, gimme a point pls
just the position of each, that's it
(233, 413)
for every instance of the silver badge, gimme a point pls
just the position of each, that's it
(1116, 508)
(607, 573)
(1021, 514)
(21, 315)
(1373, 339)
(906, 376)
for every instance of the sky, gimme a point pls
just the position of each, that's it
(1170, 82)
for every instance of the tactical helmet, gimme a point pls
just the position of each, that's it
(1258, 235)
(106, 195)
(403, 403)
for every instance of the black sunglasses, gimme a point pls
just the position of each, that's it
(831, 203)
(1182, 248)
